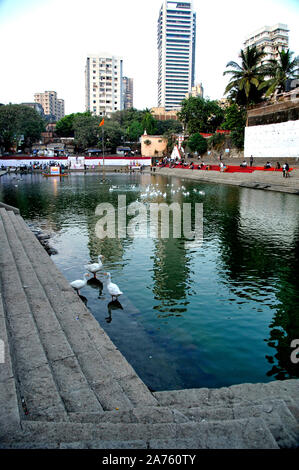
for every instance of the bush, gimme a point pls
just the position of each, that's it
(197, 143)
(237, 137)
(216, 140)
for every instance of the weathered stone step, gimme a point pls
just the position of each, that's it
(226, 396)
(71, 382)
(33, 378)
(146, 415)
(111, 377)
(9, 409)
(275, 414)
(249, 433)
(77, 391)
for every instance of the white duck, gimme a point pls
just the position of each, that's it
(79, 283)
(95, 267)
(113, 289)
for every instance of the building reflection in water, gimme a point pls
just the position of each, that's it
(261, 231)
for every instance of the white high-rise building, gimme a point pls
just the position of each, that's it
(103, 84)
(176, 52)
(273, 39)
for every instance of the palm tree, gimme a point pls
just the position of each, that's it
(279, 71)
(247, 77)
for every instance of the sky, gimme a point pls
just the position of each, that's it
(44, 43)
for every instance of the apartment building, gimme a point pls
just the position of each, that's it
(127, 92)
(196, 90)
(103, 84)
(273, 39)
(176, 52)
(53, 107)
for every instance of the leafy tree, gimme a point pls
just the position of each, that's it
(200, 115)
(197, 143)
(113, 134)
(234, 117)
(65, 126)
(134, 131)
(86, 130)
(149, 123)
(169, 125)
(17, 121)
(216, 140)
(247, 77)
(237, 137)
(278, 71)
(235, 121)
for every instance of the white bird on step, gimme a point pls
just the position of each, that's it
(95, 267)
(113, 289)
(79, 283)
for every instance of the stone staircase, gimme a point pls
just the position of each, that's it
(64, 384)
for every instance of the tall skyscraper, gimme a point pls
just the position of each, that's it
(128, 92)
(272, 38)
(176, 52)
(52, 106)
(103, 84)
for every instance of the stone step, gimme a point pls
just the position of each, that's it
(226, 396)
(251, 433)
(9, 408)
(33, 378)
(71, 382)
(275, 413)
(110, 376)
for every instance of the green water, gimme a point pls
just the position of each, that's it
(207, 315)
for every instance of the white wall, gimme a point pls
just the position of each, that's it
(272, 140)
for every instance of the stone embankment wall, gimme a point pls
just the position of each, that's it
(273, 130)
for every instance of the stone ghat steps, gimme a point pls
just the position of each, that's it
(80, 392)
(251, 433)
(63, 360)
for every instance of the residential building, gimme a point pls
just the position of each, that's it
(196, 90)
(162, 115)
(53, 107)
(37, 106)
(128, 92)
(176, 52)
(103, 84)
(273, 39)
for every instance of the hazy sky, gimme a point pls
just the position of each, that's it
(44, 43)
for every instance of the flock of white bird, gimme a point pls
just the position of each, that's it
(94, 268)
(152, 190)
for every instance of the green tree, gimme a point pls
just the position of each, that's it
(170, 125)
(149, 123)
(86, 131)
(247, 77)
(19, 122)
(113, 134)
(134, 131)
(278, 72)
(197, 143)
(200, 115)
(235, 121)
(65, 126)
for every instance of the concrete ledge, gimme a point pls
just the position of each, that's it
(10, 208)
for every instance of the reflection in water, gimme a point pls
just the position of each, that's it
(96, 284)
(213, 315)
(113, 305)
(83, 298)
